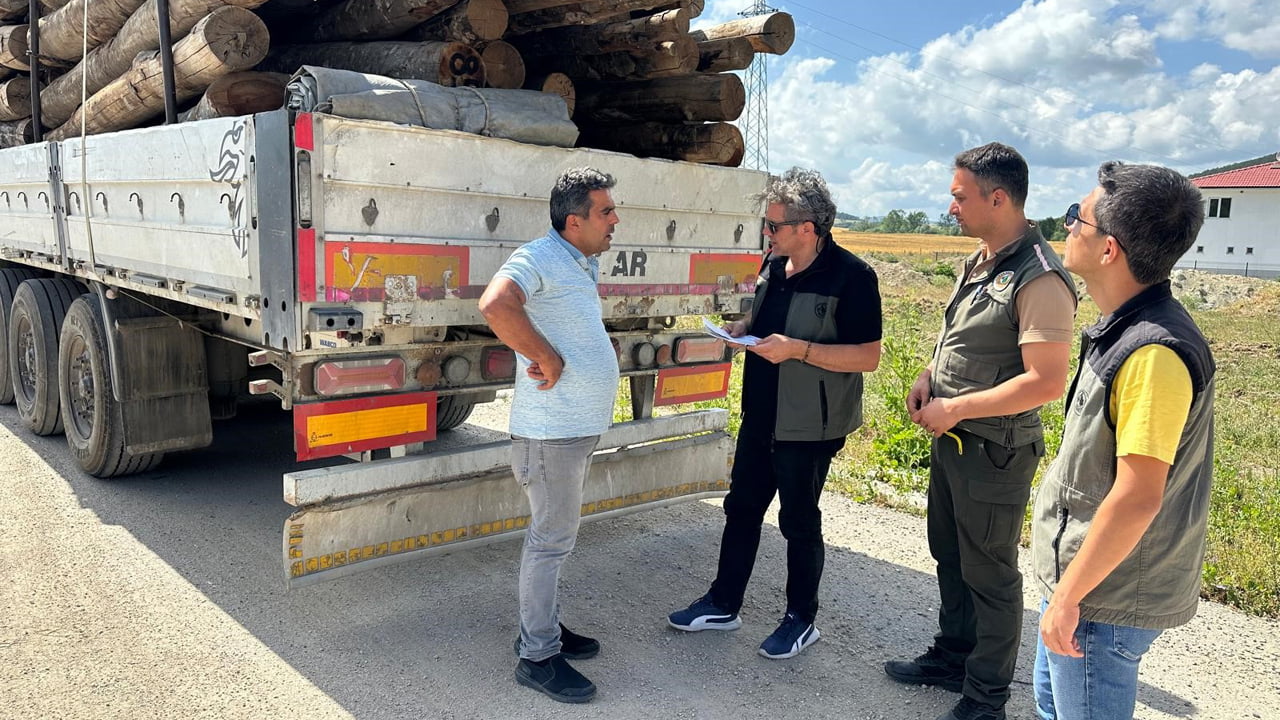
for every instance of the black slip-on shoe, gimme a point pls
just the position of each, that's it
(555, 678)
(572, 645)
(928, 669)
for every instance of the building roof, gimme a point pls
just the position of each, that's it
(1262, 175)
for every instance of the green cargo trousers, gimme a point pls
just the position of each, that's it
(978, 492)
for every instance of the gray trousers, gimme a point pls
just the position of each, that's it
(551, 473)
(977, 500)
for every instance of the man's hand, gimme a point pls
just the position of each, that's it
(546, 372)
(920, 394)
(737, 328)
(1058, 628)
(937, 416)
(777, 348)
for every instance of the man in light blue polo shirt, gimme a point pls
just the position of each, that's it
(544, 304)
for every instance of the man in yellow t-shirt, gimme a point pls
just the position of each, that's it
(1118, 530)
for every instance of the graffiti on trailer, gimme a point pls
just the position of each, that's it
(230, 169)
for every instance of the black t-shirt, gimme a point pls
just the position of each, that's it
(857, 321)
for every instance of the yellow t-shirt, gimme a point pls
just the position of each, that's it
(1150, 401)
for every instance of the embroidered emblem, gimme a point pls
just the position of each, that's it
(1003, 280)
(820, 310)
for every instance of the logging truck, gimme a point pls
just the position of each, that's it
(153, 276)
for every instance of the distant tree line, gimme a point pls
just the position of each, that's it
(917, 222)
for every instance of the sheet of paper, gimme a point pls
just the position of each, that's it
(716, 331)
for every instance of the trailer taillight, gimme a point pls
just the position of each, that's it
(695, 349)
(345, 377)
(498, 363)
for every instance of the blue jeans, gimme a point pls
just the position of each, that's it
(1102, 685)
(551, 473)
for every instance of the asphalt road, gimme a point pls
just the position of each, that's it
(161, 596)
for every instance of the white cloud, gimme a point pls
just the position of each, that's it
(1070, 83)
(1251, 26)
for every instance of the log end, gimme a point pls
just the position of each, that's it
(503, 65)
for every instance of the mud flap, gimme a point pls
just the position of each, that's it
(165, 406)
(469, 497)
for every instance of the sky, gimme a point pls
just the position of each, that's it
(880, 97)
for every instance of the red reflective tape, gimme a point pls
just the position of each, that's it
(307, 264)
(304, 137)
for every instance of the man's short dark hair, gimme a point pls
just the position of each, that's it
(1153, 211)
(997, 167)
(805, 196)
(572, 193)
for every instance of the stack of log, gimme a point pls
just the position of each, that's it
(632, 74)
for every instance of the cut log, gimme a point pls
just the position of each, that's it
(667, 59)
(229, 39)
(15, 98)
(370, 19)
(725, 54)
(49, 6)
(240, 93)
(582, 12)
(772, 33)
(140, 33)
(470, 21)
(708, 143)
(556, 84)
(450, 64)
(693, 7)
(60, 33)
(15, 133)
(618, 36)
(690, 98)
(10, 9)
(503, 65)
(13, 47)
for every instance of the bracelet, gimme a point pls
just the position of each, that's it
(805, 358)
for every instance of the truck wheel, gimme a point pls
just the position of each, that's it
(452, 411)
(39, 307)
(93, 418)
(10, 279)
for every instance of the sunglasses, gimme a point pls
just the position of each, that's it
(1073, 216)
(773, 225)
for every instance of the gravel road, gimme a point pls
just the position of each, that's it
(161, 597)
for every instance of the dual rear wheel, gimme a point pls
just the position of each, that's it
(56, 370)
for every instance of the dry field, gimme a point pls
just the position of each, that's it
(904, 244)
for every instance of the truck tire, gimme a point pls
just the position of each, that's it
(93, 419)
(452, 411)
(10, 279)
(39, 307)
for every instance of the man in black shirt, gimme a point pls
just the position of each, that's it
(817, 312)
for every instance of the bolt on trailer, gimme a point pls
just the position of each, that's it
(151, 275)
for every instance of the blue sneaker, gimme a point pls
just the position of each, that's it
(791, 637)
(704, 615)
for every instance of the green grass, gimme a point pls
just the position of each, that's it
(886, 460)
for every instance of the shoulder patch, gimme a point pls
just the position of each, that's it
(1003, 280)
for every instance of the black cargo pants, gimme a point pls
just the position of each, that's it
(978, 492)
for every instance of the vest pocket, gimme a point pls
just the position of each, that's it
(1063, 516)
(973, 370)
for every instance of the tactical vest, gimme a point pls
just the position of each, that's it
(1158, 585)
(813, 403)
(978, 346)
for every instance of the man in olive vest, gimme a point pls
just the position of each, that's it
(1118, 530)
(1002, 353)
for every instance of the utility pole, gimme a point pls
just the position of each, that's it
(755, 118)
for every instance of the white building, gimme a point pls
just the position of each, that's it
(1241, 233)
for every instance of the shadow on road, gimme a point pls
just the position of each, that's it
(432, 638)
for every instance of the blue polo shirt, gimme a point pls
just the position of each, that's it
(563, 302)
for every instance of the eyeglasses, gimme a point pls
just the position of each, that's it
(1073, 217)
(773, 225)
